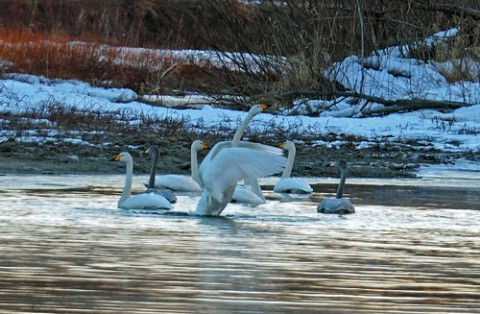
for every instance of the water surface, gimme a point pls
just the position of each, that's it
(412, 247)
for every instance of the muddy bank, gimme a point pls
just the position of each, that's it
(62, 157)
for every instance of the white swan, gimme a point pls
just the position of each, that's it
(338, 205)
(139, 201)
(286, 184)
(167, 193)
(244, 194)
(224, 166)
(254, 110)
(250, 192)
(184, 183)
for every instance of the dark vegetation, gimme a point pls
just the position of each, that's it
(82, 39)
(310, 34)
(61, 131)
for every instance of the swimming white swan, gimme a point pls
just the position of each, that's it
(139, 201)
(184, 183)
(224, 166)
(167, 193)
(286, 184)
(338, 205)
(250, 192)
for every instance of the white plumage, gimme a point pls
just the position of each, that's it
(178, 183)
(184, 183)
(244, 194)
(250, 192)
(165, 192)
(224, 166)
(293, 185)
(145, 201)
(139, 201)
(286, 184)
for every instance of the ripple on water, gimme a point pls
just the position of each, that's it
(69, 249)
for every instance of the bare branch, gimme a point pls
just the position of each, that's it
(452, 9)
(391, 106)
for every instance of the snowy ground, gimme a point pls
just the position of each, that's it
(454, 131)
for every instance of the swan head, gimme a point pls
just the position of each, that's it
(340, 164)
(287, 145)
(199, 145)
(124, 157)
(257, 109)
(152, 150)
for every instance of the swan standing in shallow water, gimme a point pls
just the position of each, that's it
(224, 166)
(286, 183)
(338, 205)
(250, 192)
(184, 183)
(139, 201)
(167, 193)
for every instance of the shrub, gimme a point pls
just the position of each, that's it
(308, 35)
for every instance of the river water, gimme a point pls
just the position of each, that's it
(413, 246)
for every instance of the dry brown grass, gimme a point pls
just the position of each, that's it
(62, 57)
(311, 34)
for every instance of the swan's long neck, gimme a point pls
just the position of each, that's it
(153, 171)
(287, 172)
(341, 185)
(127, 189)
(238, 135)
(194, 164)
(253, 182)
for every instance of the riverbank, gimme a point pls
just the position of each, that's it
(60, 157)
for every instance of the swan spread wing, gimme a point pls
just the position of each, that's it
(261, 147)
(146, 201)
(234, 164)
(254, 191)
(224, 166)
(292, 185)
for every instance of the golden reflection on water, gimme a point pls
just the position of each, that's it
(72, 251)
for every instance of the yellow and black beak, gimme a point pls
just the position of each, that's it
(282, 145)
(263, 106)
(329, 164)
(116, 158)
(204, 146)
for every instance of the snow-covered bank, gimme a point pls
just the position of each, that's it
(466, 170)
(453, 131)
(392, 74)
(456, 131)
